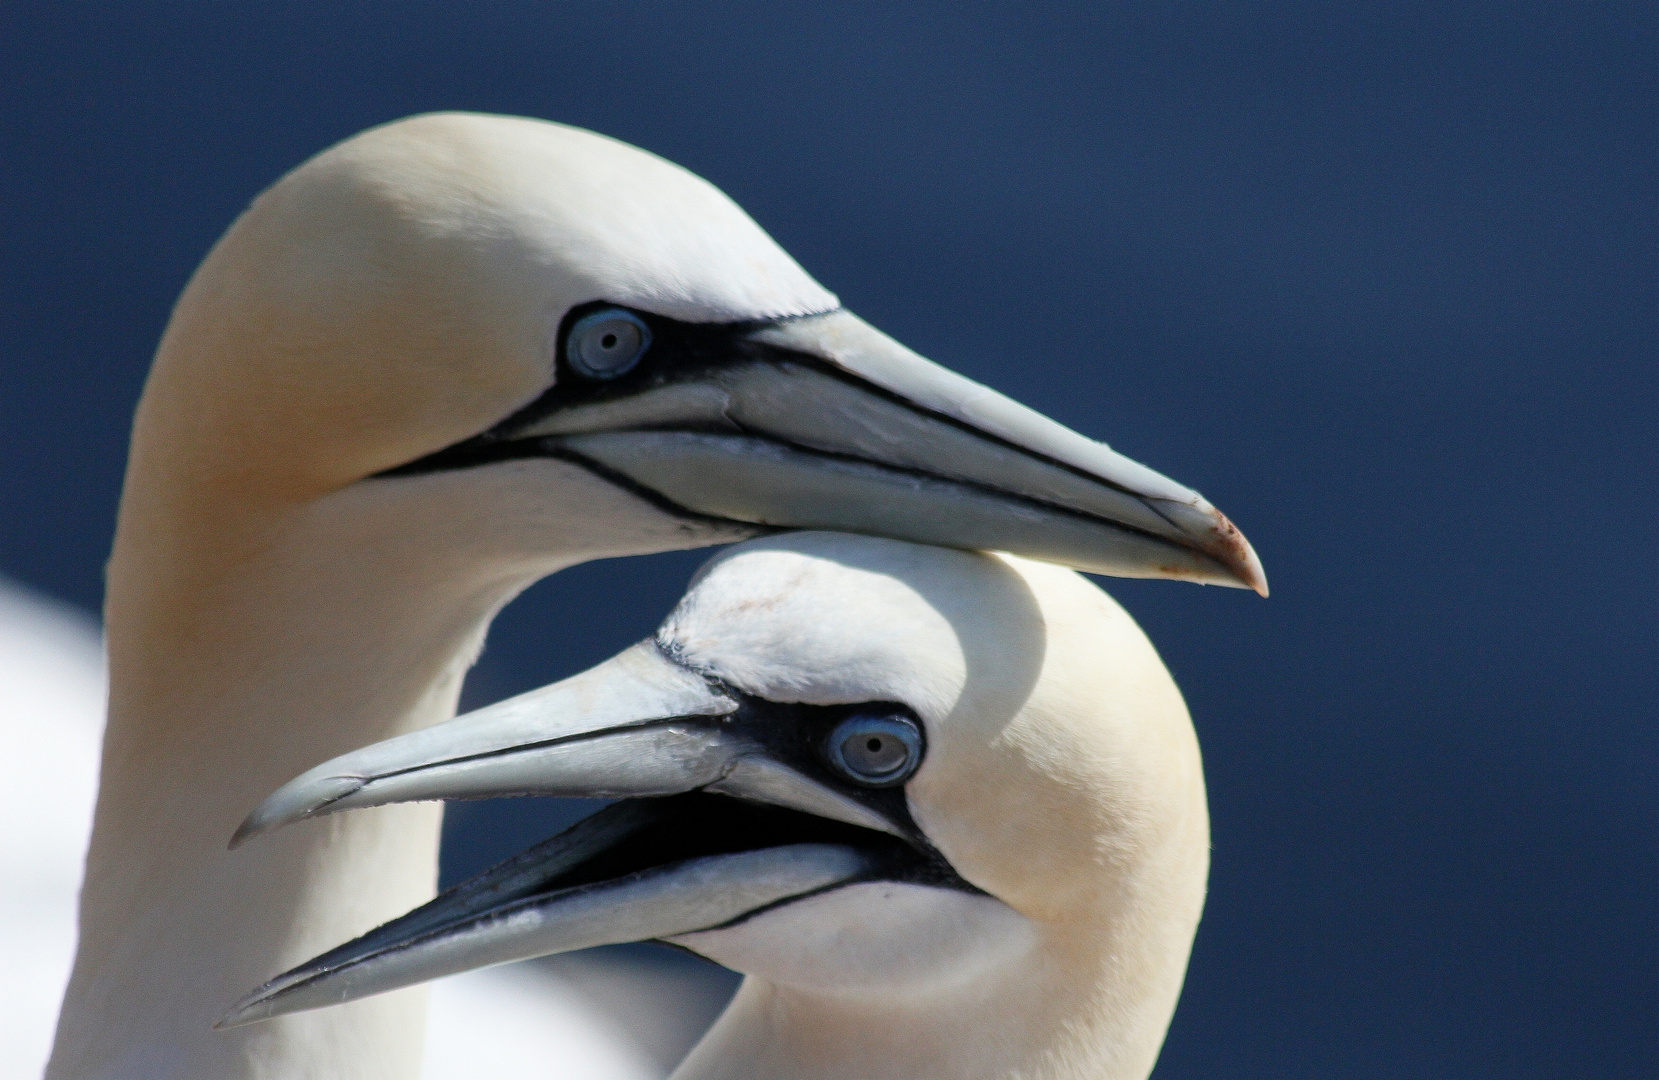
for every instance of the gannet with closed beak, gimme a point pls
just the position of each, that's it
(439, 361)
(945, 810)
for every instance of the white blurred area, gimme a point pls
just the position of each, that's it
(624, 1014)
(51, 717)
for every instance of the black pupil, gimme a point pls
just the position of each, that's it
(873, 745)
(608, 341)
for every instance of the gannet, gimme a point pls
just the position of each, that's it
(433, 364)
(944, 810)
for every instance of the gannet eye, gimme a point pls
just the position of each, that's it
(607, 343)
(875, 749)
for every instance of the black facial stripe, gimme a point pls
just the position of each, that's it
(793, 734)
(628, 840)
(934, 872)
(634, 837)
(478, 452)
(696, 825)
(680, 351)
(467, 455)
(790, 734)
(972, 485)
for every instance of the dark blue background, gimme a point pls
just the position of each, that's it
(1378, 279)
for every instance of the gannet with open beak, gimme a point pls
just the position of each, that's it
(945, 810)
(430, 366)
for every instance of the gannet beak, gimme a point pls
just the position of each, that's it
(547, 900)
(637, 725)
(824, 422)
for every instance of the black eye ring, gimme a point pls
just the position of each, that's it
(875, 749)
(607, 343)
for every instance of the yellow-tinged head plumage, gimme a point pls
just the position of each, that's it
(401, 291)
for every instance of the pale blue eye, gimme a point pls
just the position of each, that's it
(875, 749)
(607, 343)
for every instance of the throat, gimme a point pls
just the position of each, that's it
(884, 980)
(1021, 1021)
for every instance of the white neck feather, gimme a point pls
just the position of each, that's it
(1087, 1002)
(241, 656)
(313, 650)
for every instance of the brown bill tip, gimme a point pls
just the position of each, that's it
(1208, 530)
(1237, 555)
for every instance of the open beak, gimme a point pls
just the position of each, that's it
(824, 422)
(728, 809)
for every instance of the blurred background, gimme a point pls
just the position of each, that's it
(1377, 279)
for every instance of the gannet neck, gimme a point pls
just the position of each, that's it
(1092, 1003)
(1089, 997)
(242, 645)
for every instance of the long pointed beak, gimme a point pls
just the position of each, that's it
(636, 725)
(686, 860)
(541, 902)
(824, 422)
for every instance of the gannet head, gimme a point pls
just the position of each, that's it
(460, 295)
(858, 769)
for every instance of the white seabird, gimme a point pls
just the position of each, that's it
(960, 829)
(431, 365)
